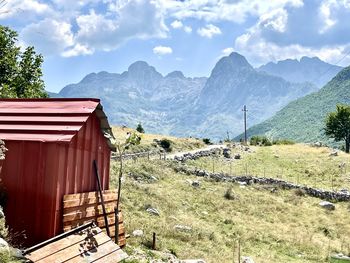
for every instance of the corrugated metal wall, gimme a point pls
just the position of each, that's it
(37, 175)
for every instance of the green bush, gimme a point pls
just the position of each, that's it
(139, 128)
(283, 142)
(206, 141)
(260, 141)
(166, 144)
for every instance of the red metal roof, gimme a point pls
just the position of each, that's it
(48, 120)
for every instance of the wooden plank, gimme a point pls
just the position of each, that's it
(79, 209)
(99, 221)
(87, 195)
(67, 254)
(60, 245)
(110, 205)
(87, 201)
(105, 249)
(90, 212)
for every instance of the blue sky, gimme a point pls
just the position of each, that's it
(78, 37)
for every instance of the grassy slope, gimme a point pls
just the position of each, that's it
(303, 119)
(273, 227)
(147, 143)
(297, 163)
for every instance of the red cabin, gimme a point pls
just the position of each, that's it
(51, 147)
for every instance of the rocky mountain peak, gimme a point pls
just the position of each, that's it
(230, 64)
(175, 74)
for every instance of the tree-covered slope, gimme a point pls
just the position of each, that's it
(304, 119)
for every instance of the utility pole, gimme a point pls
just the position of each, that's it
(245, 123)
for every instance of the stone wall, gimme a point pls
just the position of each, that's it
(220, 177)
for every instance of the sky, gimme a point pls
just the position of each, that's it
(77, 37)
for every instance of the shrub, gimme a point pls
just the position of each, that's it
(207, 141)
(229, 194)
(166, 144)
(283, 142)
(139, 128)
(260, 140)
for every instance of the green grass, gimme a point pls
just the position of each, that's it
(147, 141)
(295, 163)
(272, 227)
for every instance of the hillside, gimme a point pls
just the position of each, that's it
(207, 221)
(306, 69)
(303, 120)
(183, 106)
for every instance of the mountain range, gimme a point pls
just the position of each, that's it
(303, 120)
(200, 107)
(306, 69)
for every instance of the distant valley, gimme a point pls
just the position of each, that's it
(200, 107)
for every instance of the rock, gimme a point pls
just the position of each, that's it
(227, 153)
(242, 183)
(276, 156)
(247, 260)
(153, 211)
(237, 156)
(182, 228)
(334, 153)
(3, 244)
(195, 184)
(317, 144)
(2, 215)
(192, 261)
(327, 205)
(344, 191)
(137, 233)
(17, 253)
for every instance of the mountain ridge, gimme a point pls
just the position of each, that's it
(184, 106)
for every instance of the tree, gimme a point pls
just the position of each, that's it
(139, 128)
(338, 125)
(121, 147)
(20, 72)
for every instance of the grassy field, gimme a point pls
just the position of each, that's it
(295, 163)
(148, 144)
(273, 227)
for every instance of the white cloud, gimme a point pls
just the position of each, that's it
(23, 8)
(260, 51)
(275, 20)
(224, 10)
(176, 24)
(77, 50)
(49, 36)
(188, 29)
(162, 50)
(209, 31)
(227, 51)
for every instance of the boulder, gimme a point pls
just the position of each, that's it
(247, 260)
(4, 244)
(334, 153)
(153, 211)
(237, 156)
(137, 233)
(317, 144)
(195, 184)
(183, 228)
(327, 205)
(227, 153)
